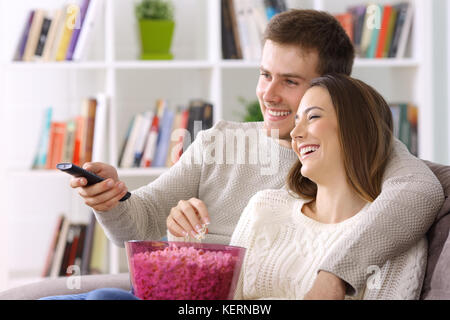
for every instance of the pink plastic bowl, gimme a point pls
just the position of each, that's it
(161, 270)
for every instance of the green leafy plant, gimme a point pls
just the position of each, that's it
(253, 110)
(155, 10)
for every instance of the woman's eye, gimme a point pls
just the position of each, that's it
(313, 117)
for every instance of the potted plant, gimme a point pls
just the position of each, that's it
(156, 26)
(253, 110)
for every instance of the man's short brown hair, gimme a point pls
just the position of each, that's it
(314, 30)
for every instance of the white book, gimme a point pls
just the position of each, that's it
(244, 36)
(142, 137)
(100, 144)
(51, 56)
(59, 251)
(128, 155)
(404, 36)
(86, 34)
(253, 31)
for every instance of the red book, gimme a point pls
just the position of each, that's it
(346, 21)
(383, 32)
(78, 138)
(183, 125)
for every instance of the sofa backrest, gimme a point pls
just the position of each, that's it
(437, 277)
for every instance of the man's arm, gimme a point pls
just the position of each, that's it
(400, 216)
(143, 215)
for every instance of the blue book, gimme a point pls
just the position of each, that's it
(162, 146)
(41, 155)
(375, 33)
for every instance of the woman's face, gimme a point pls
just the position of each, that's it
(315, 137)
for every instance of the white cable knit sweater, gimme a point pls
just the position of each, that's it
(285, 250)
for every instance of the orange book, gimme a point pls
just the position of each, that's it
(56, 144)
(387, 10)
(88, 113)
(78, 137)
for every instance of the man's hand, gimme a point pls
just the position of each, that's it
(326, 287)
(102, 196)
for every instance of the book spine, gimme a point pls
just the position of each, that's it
(42, 38)
(86, 33)
(51, 37)
(69, 142)
(23, 39)
(54, 154)
(69, 26)
(404, 35)
(142, 138)
(383, 32)
(150, 148)
(128, 156)
(390, 33)
(33, 36)
(377, 16)
(78, 140)
(88, 113)
(401, 17)
(164, 141)
(76, 32)
(52, 248)
(41, 155)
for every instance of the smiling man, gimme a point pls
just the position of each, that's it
(299, 45)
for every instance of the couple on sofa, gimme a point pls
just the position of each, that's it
(346, 199)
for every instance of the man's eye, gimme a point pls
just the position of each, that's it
(291, 82)
(265, 75)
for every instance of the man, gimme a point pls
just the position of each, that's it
(299, 45)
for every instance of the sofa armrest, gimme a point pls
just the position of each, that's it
(58, 286)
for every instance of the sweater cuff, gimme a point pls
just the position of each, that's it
(350, 272)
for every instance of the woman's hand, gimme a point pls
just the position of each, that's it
(188, 218)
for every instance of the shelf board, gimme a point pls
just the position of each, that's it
(63, 65)
(386, 62)
(166, 64)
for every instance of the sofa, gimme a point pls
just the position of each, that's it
(436, 284)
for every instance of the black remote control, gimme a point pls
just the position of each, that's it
(91, 178)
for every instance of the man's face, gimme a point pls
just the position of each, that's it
(286, 71)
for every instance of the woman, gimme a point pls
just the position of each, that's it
(343, 140)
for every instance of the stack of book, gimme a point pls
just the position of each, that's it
(243, 24)
(405, 120)
(58, 35)
(379, 31)
(77, 140)
(157, 138)
(76, 249)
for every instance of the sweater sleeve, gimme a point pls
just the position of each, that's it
(143, 216)
(401, 215)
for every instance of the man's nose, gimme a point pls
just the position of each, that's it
(271, 93)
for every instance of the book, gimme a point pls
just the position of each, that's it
(56, 144)
(235, 28)
(152, 140)
(69, 141)
(100, 143)
(59, 251)
(128, 156)
(125, 140)
(177, 137)
(375, 13)
(76, 31)
(346, 21)
(402, 13)
(229, 50)
(359, 13)
(243, 29)
(33, 35)
(366, 34)
(390, 32)
(88, 112)
(42, 38)
(405, 30)
(52, 247)
(254, 36)
(87, 32)
(87, 247)
(56, 25)
(20, 50)
(147, 118)
(67, 247)
(165, 131)
(71, 17)
(80, 121)
(40, 158)
(99, 254)
(387, 10)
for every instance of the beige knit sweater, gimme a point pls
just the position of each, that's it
(285, 250)
(225, 175)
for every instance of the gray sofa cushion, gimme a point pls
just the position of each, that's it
(58, 286)
(437, 278)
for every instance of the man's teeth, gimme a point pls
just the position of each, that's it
(306, 150)
(278, 113)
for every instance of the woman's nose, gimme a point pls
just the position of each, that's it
(297, 132)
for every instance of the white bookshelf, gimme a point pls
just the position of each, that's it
(33, 199)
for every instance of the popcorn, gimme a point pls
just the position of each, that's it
(184, 273)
